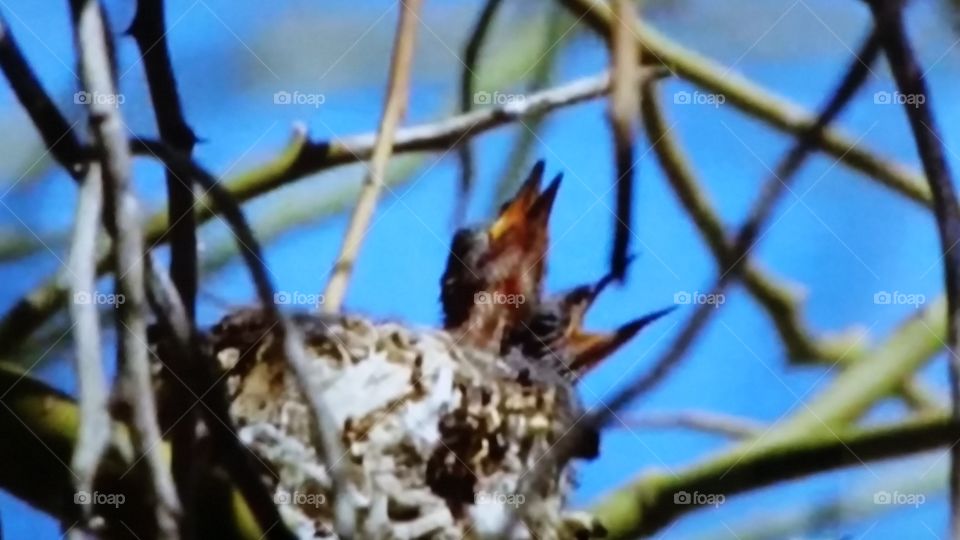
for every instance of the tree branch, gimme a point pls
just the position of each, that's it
(398, 90)
(94, 429)
(42, 426)
(57, 134)
(772, 190)
(624, 99)
(471, 56)
(721, 424)
(656, 500)
(776, 297)
(120, 214)
(149, 32)
(909, 77)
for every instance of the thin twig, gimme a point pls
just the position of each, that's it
(777, 297)
(149, 32)
(93, 437)
(398, 89)
(57, 134)
(471, 56)
(733, 427)
(121, 215)
(909, 78)
(624, 99)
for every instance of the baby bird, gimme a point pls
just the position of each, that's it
(494, 273)
(553, 333)
(552, 344)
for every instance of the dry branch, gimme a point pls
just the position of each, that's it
(777, 298)
(94, 430)
(729, 426)
(398, 90)
(122, 216)
(747, 234)
(622, 111)
(909, 77)
(471, 57)
(149, 32)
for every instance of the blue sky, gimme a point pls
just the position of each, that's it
(838, 236)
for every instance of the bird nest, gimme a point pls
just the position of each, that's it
(438, 436)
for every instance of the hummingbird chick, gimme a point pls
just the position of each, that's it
(552, 346)
(553, 332)
(494, 273)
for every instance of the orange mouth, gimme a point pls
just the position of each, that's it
(588, 349)
(523, 219)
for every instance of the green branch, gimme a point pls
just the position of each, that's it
(652, 502)
(40, 430)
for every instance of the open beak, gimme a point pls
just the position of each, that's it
(523, 219)
(589, 349)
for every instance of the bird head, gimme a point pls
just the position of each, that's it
(554, 331)
(494, 272)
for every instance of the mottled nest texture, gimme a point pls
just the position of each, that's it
(438, 436)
